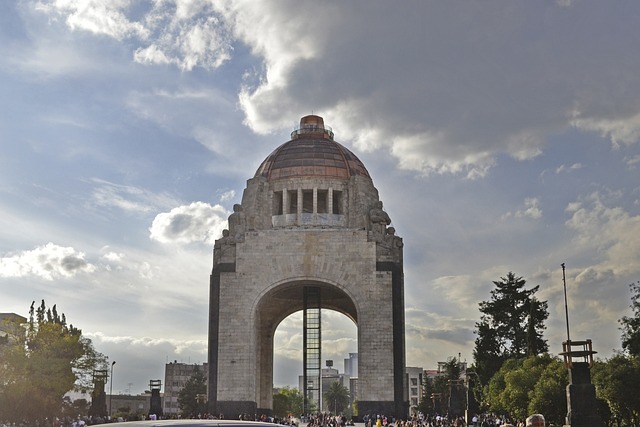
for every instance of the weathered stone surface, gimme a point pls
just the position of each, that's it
(300, 230)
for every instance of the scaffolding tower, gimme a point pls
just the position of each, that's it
(311, 352)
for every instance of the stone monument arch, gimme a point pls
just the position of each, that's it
(310, 234)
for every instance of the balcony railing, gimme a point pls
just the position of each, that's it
(312, 128)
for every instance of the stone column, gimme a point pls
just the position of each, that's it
(285, 201)
(299, 213)
(330, 200)
(315, 200)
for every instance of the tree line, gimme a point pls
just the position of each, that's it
(513, 373)
(39, 365)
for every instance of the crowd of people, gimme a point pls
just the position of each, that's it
(329, 420)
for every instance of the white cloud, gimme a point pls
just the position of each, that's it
(187, 34)
(227, 195)
(113, 256)
(632, 161)
(197, 222)
(567, 169)
(48, 262)
(622, 130)
(530, 210)
(455, 96)
(97, 16)
(121, 263)
(203, 43)
(178, 346)
(611, 232)
(410, 151)
(128, 198)
(460, 95)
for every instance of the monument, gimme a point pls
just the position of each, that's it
(309, 234)
(155, 406)
(98, 406)
(581, 394)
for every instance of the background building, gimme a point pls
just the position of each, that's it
(11, 327)
(130, 407)
(175, 377)
(415, 380)
(351, 365)
(329, 376)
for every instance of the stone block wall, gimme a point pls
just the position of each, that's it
(265, 286)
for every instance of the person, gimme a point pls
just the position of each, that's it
(535, 420)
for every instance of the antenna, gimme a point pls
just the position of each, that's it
(566, 307)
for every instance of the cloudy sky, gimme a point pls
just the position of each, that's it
(502, 136)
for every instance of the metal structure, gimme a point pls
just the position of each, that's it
(581, 394)
(312, 354)
(111, 387)
(156, 399)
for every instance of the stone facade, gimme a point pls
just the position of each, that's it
(307, 218)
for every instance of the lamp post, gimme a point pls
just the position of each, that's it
(111, 387)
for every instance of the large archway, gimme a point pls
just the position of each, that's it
(339, 348)
(274, 306)
(310, 217)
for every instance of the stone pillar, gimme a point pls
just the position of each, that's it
(299, 212)
(330, 201)
(285, 201)
(315, 200)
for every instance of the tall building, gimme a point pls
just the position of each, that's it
(176, 376)
(415, 379)
(351, 365)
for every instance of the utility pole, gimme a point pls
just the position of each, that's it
(111, 387)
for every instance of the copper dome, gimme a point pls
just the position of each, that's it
(311, 152)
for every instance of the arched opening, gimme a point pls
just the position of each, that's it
(284, 301)
(339, 342)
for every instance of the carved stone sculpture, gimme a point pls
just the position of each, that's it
(237, 223)
(378, 221)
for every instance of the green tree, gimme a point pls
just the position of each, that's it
(452, 369)
(337, 397)
(532, 385)
(436, 391)
(510, 327)
(287, 401)
(617, 382)
(549, 396)
(631, 325)
(190, 398)
(38, 369)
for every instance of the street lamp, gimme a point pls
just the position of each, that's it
(111, 387)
